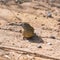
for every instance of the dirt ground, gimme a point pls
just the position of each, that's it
(47, 30)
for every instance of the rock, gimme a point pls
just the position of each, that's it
(20, 31)
(49, 14)
(35, 17)
(39, 46)
(42, 24)
(52, 37)
(49, 43)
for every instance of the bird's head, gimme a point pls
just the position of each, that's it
(24, 25)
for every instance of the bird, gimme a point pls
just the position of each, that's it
(28, 30)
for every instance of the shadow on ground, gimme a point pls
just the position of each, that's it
(36, 39)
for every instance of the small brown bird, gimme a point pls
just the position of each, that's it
(28, 30)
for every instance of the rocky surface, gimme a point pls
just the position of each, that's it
(47, 30)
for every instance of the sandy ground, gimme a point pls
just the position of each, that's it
(44, 27)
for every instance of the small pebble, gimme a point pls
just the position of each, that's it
(20, 31)
(44, 16)
(39, 46)
(49, 43)
(35, 17)
(52, 37)
(42, 24)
